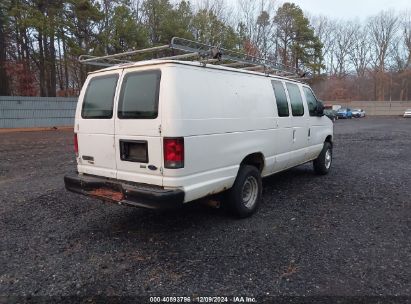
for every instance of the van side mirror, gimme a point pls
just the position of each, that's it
(319, 110)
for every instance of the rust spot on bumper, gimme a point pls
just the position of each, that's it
(108, 194)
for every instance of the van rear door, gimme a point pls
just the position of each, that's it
(137, 127)
(95, 125)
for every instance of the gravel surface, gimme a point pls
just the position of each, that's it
(345, 234)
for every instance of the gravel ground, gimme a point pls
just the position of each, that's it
(345, 234)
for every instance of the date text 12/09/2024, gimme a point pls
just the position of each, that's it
(198, 299)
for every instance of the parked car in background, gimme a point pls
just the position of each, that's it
(407, 113)
(331, 114)
(344, 113)
(358, 113)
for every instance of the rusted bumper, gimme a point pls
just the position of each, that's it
(124, 193)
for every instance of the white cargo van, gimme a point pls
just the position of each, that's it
(162, 133)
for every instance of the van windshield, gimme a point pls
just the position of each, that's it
(99, 97)
(139, 95)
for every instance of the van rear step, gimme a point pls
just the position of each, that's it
(124, 193)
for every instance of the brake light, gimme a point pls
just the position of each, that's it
(174, 153)
(75, 143)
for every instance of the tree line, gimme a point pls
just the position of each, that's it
(40, 41)
(368, 60)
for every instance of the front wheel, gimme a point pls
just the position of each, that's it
(245, 195)
(322, 164)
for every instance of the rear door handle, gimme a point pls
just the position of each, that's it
(294, 134)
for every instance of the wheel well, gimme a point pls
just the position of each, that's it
(329, 139)
(255, 159)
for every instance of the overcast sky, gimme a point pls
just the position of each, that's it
(351, 9)
(347, 9)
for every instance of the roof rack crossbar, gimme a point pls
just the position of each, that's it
(181, 48)
(182, 56)
(234, 64)
(84, 59)
(254, 68)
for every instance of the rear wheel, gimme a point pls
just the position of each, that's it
(245, 195)
(322, 164)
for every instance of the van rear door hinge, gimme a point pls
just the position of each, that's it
(159, 129)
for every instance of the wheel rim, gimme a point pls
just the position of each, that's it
(328, 159)
(249, 192)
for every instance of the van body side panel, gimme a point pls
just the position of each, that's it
(202, 101)
(223, 117)
(319, 132)
(210, 170)
(96, 135)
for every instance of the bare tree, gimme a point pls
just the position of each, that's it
(402, 43)
(383, 28)
(343, 43)
(218, 7)
(401, 49)
(257, 23)
(137, 8)
(324, 29)
(360, 52)
(247, 13)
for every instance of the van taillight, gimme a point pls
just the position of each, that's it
(75, 144)
(174, 153)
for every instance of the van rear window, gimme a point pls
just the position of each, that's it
(139, 95)
(99, 97)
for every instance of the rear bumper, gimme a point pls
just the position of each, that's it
(124, 193)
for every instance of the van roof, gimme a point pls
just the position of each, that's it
(191, 63)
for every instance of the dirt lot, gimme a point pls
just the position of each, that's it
(348, 233)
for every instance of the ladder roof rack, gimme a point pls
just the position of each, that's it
(184, 49)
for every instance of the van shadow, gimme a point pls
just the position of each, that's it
(203, 212)
(198, 235)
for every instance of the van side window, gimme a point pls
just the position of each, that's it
(139, 95)
(281, 98)
(99, 98)
(296, 100)
(311, 101)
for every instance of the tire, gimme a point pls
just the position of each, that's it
(322, 164)
(245, 195)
